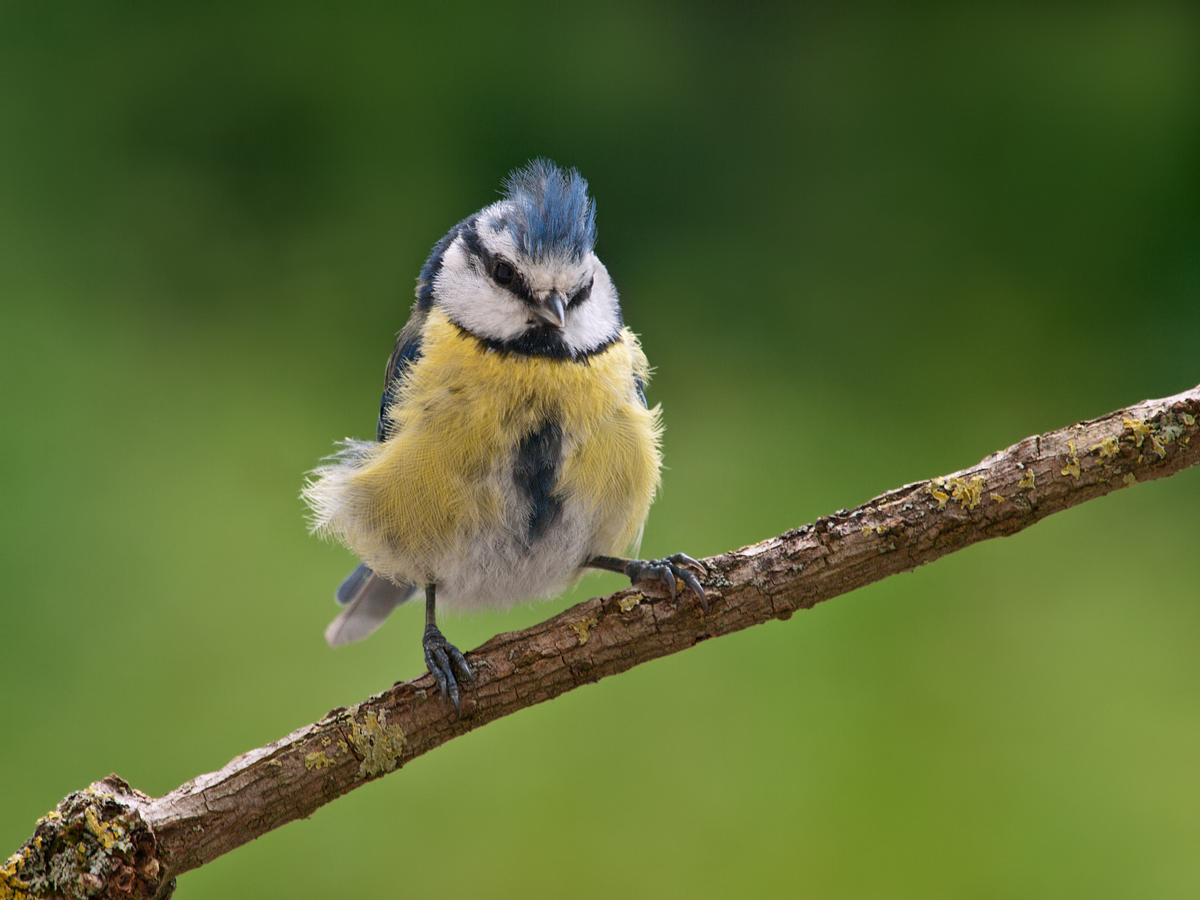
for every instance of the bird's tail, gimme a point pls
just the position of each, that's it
(369, 599)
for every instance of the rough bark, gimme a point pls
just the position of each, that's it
(112, 841)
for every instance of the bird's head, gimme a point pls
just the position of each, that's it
(521, 274)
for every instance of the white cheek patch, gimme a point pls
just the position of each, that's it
(474, 301)
(598, 319)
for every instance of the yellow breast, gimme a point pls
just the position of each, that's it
(445, 475)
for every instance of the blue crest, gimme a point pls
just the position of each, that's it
(554, 215)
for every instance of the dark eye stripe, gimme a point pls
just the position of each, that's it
(487, 263)
(473, 245)
(582, 294)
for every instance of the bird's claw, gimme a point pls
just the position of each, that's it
(444, 662)
(670, 571)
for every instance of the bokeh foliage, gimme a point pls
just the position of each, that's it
(862, 247)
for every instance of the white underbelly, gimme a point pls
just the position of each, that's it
(499, 567)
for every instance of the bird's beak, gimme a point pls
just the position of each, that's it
(552, 311)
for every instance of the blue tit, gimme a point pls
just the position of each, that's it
(514, 447)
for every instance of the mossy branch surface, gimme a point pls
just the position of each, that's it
(111, 841)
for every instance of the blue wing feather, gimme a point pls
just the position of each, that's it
(641, 389)
(408, 349)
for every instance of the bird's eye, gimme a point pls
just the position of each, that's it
(503, 272)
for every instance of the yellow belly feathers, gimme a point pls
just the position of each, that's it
(462, 411)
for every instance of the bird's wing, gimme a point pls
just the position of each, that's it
(407, 349)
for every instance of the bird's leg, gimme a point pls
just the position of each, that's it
(669, 571)
(442, 658)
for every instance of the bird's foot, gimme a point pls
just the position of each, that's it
(670, 571)
(446, 663)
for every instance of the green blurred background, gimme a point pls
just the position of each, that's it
(862, 248)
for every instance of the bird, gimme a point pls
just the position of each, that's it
(514, 447)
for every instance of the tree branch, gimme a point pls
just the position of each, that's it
(136, 845)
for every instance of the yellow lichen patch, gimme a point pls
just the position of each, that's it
(997, 498)
(1027, 481)
(628, 603)
(378, 743)
(968, 493)
(582, 629)
(1106, 448)
(12, 886)
(105, 832)
(866, 529)
(1188, 419)
(881, 529)
(1129, 479)
(1140, 429)
(1072, 466)
(940, 496)
(317, 760)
